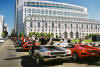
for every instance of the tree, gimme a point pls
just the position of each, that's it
(49, 35)
(6, 33)
(45, 34)
(56, 36)
(34, 33)
(86, 36)
(42, 34)
(3, 34)
(91, 35)
(37, 34)
(30, 34)
(21, 34)
(52, 35)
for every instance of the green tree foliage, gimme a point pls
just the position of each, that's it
(56, 36)
(91, 35)
(46, 35)
(49, 35)
(52, 35)
(42, 34)
(31, 34)
(3, 34)
(36, 34)
(21, 34)
(6, 33)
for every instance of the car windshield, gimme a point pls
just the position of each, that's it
(57, 44)
(1, 39)
(63, 44)
(41, 47)
(54, 48)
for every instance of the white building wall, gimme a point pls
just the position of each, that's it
(20, 14)
(1, 25)
(76, 24)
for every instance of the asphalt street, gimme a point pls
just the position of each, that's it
(13, 56)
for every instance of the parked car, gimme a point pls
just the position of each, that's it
(61, 44)
(83, 51)
(48, 52)
(27, 45)
(1, 40)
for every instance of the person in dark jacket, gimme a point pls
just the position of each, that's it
(69, 41)
(42, 40)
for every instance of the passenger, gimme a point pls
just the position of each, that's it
(33, 41)
(42, 40)
(65, 41)
(80, 43)
(75, 42)
(36, 43)
(46, 40)
(61, 41)
(90, 43)
(83, 43)
(69, 41)
(20, 42)
(93, 45)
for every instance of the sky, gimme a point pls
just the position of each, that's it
(7, 9)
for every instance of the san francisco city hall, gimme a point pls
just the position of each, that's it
(62, 19)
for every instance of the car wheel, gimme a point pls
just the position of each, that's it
(75, 56)
(38, 61)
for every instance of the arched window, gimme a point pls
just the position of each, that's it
(65, 34)
(45, 25)
(71, 26)
(59, 25)
(77, 34)
(82, 26)
(87, 26)
(76, 26)
(38, 24)
(52, 25)
(71, 34)
(96, 26)
(91, 26)
(65, 25)
(31, 25)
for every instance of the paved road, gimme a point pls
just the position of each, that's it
(12, 56)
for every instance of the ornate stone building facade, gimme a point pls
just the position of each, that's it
(62, 19)
(67, 27)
